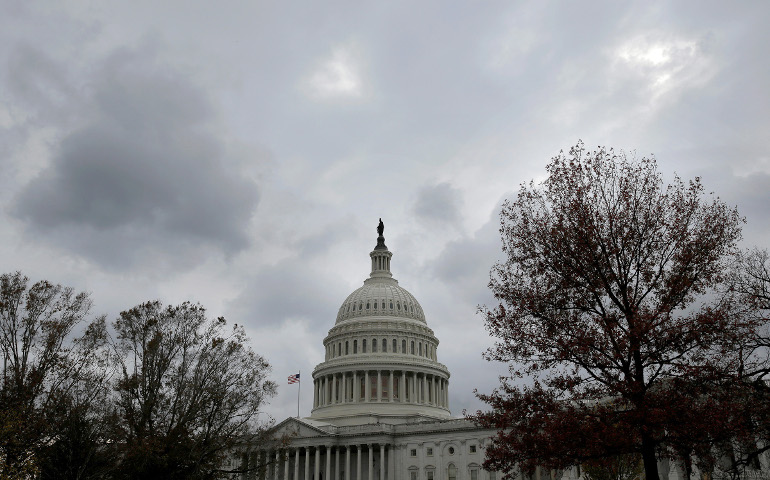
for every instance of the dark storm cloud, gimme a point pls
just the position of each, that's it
(146, 172)
(438, 203)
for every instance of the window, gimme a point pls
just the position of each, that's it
(429, 451)
(451, 450)
(346, 347)
(375, 305)
(452, 472)
(384, 345)
(384, 387)
(383, 304)
(374, 345)
(395, 344)
(412, 347)
(412, 475)
(474, 474)
(403, 346)
(355, 346)
(367, 305)
(492, 475)
(473, 448)
(421, 349)
(363, 346)
(362, 391)
(413, 452)
(391, 305)
(373, 384)
(429, 474)
(396, 383)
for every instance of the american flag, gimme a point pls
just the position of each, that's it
(294, 378)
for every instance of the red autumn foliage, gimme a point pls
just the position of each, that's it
(610, 319)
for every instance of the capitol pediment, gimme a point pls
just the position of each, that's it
(301, 428)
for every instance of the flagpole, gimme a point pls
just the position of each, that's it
(299, 387)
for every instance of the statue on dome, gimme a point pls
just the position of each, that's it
(380, 227)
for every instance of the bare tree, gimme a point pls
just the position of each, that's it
(189, 391)
(42, 364)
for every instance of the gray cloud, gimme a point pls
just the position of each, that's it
(438, 203)
(148, 171)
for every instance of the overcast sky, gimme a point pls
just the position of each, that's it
(240, 153)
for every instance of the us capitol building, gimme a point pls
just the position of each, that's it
(380, 398)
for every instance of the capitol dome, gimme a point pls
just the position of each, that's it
(381, 362)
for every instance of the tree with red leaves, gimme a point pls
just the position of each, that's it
(609, 319)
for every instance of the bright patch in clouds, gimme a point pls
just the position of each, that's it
(665, 64)
(338, 76)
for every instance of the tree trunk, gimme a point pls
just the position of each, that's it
(649, 458)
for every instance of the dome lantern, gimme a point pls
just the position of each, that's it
(381, 256)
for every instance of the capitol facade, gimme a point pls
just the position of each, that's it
(380, 398)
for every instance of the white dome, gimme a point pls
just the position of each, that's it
(381, 360)
(380, 297)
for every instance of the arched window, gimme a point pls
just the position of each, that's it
(375, 304)
(395, 345)
(339, 348)
(374, 345)
(412, 347)
(355, 346)
(420, 349)
(451, 472)
(383, 304)
(363, 346)
(403, 346)
(391, 304)
(346, 347)
(367, 305)
(384, 345)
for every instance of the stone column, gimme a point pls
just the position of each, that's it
(371, 461)
(307, 463)
(328, 462)
(379, 385)
(323, 387)
(390, 384)
(347, 462)
(358, 462)
(317, 467)
(337, 464)
(296, 464)
(277, 464)
(366, 388)
(286, 465)
(382, 461)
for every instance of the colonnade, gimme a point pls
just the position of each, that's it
(381, 386)
(350, 462)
